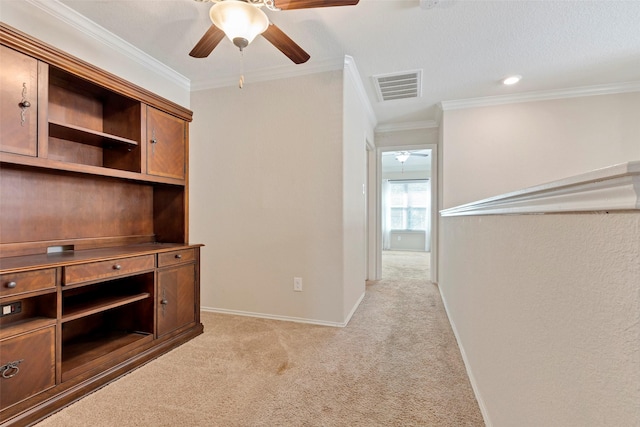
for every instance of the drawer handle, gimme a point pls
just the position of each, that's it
(164, 302)
(178, 256)
(117, 267)
(11, 369)
(12, 285)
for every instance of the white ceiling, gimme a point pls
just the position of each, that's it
(463, 47)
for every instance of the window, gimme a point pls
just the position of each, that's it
(408, 204)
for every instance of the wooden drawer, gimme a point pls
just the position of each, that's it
(176, 257)
(33, 355)
(18, 283)
(101, 270)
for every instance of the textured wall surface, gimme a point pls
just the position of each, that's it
(547, 312)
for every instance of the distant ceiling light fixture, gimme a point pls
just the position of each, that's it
(240, 21)
(428, 4)
(403, 156)
(511, 80)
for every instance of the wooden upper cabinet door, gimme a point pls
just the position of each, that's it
(18, 102)
(166, 139)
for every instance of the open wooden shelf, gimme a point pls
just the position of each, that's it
(86, 136)
(41, 163)
(89, 351)
(25, 325)
(87, 308)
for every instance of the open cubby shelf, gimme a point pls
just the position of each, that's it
(86, 136)
(85, 352)
(9, 159)
(25, 325)
(94, 306)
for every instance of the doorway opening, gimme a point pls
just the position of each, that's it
(406, 209)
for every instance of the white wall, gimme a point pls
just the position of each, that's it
(493, 150)
(356, 130)
(424, 136)
(61, 27)
(547, 311)
(407, 240)
(267, 197)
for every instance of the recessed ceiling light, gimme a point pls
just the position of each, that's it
(511, 80)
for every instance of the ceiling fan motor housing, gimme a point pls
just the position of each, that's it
(241, 42)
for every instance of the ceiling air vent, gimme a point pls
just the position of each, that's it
(407, 84)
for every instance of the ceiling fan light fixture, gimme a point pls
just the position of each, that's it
(240, 21)
(403, 156)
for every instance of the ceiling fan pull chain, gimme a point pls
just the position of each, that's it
(241, 81)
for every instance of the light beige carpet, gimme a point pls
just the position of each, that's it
(396, 364)
(398, 266)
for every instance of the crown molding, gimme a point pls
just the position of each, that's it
(615, 188)
(65, 14)
(351, 68)
(606, 89)
(289, 71)
(273, 73)
(395, 127)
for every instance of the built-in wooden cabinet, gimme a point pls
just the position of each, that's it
(97, 275)
(28, 365)
(166, 136)
(175, 289)
(18, 102)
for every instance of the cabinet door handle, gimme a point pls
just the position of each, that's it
(12, 285)
(24, 104)
(164, 302)
(11, 369)
(178, 256)
(117, 267)
(154, 141)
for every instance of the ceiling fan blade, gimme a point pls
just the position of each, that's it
(280, 40)
(308, 4)
(207, 43)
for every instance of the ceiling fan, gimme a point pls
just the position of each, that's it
(242, 20)
(403, 156)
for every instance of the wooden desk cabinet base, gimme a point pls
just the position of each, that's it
(75, 321)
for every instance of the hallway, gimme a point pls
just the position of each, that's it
(405, 265)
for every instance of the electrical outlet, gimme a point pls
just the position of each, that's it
(11, 308)
(297, 284)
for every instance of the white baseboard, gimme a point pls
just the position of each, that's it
(472, 380)
(353, 310)
(285, 318)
